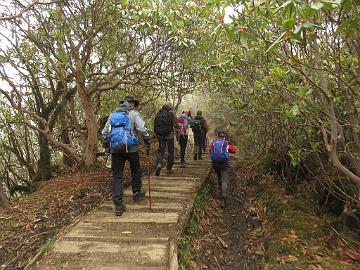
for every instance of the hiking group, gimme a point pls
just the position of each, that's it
(119, 137)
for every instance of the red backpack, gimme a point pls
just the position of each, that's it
(182, 130)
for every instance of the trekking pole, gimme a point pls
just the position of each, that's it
(148, 169)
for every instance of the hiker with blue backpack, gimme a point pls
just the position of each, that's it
(119, 135)
(219, 155)
(182, 136)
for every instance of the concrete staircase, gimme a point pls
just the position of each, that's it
(141, 238)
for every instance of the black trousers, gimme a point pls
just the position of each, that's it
(163, 143)
(222, 170)
(183, 139)
(117, 165)
(198, 140)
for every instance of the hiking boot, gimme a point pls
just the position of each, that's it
(126, 183)
(158, 169)
(169, 172)
(182, 164)
(140, 195)
(200, 157)
(195, 157)
(223, 203)
(120, 209)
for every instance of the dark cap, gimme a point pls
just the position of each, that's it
(131, 99)
(221, 133)
(199, 113)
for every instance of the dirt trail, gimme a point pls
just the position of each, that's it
(224, 234)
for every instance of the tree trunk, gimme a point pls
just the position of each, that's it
(89, 153)
(4, 202)
(328, 104)
(66, 140)
(44, 163)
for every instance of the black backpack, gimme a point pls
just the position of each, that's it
(163, 122)
(196, 125)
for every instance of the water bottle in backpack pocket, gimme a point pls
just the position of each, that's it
(219, 151)
(196, 126)
(121, 134)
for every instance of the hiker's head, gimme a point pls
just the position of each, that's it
(132, 101)
(221, 134)
(168, 106)
(199, 113)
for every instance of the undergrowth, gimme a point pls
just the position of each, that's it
(299, 239)
(191, 227)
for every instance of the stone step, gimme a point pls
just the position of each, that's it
(82, 262)
(169, 188)
(112, 230)
(161, 194)
(172, 178)
(145, 205)
(124, 237)
(141, 238)
(133, 217)
(183, 174)
(132, 252)
(162, 185)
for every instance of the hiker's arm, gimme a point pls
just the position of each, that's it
(206, 127)
(106, 130)
(174, 120)
(232, 149)
(105, 133)
(140, 126)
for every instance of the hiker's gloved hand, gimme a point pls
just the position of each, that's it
(147, 142)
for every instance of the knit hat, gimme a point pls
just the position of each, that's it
(131, 99)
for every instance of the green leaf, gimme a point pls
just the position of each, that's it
(298, 28)
(346, 6)
(276, 43)
(284, 5)
(289, 24)
(297, 38)
(294, 111)
(311, 25)
(317, 6)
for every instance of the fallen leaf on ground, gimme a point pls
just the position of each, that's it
(223, 242)
(316, 267)
(353, 255)
(287, 259)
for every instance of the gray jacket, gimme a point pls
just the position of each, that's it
(137, 124)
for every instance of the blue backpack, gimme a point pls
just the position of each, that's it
(121, 134)
(219, 152)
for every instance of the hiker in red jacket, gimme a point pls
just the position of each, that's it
(219, 154)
